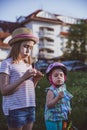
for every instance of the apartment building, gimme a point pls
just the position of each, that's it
(51, 29)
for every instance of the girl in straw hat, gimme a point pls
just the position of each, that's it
(18, 80)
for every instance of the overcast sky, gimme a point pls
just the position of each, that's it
(12, 9)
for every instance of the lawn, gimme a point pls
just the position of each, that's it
(77, 85)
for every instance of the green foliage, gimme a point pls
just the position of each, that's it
(78, 32)
(40, 100)
(77, 41)
(77, 85)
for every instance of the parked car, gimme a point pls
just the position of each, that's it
(41, 66)
(75, 65)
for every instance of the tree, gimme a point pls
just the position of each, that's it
(77, 41)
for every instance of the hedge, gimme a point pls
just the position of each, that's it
(77, 84)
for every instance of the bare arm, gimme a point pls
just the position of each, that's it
(51, 101)
(6, 88)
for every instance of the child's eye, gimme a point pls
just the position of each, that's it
(61, 75)
(56, 75)
(27, 46)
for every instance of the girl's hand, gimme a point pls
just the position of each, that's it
(61, 94)
(39, 74)
(37, 77)
(29, 73)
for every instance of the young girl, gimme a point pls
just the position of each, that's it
(18, 80)
(58, 98)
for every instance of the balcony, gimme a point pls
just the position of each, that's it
(46, 35)
(46, 45)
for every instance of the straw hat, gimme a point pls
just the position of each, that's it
(21, 34)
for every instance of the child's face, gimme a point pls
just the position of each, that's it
(26, 48)
(57, 76)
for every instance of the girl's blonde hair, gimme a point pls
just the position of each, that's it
(15, 54)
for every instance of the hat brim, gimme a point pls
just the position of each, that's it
(23, 38)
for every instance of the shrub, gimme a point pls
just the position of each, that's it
(77, 85)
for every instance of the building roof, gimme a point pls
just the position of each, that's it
(42, 16)
(8, 26)
(4, 45)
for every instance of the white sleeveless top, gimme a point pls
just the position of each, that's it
(25, 95)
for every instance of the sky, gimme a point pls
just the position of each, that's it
(10, 10)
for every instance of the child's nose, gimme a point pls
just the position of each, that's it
(27, 50)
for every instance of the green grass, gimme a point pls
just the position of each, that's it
(77, 85)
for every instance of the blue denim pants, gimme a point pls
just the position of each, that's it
(20, 117)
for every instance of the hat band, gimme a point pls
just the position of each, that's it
(23, 35)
